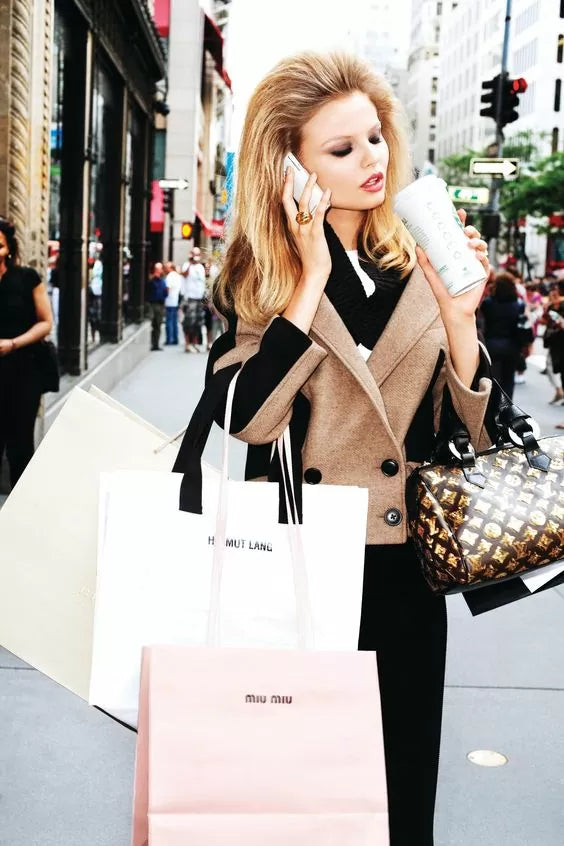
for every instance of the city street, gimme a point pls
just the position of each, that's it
(66, 769)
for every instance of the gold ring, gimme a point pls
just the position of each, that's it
(303, 217)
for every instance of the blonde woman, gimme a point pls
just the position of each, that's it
(345, 332)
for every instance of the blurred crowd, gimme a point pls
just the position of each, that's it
(182, 296)
(513, 313)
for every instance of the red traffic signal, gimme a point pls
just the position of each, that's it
(510, 99)
(518, 86)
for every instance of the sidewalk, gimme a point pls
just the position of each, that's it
(66, 770)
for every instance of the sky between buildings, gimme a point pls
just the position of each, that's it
(261, 32)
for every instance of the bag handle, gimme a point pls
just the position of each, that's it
(189, 458)
(509, 423)
(304, 617)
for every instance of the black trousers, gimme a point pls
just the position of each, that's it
(19, 403)
(157, 314)
(407, 626)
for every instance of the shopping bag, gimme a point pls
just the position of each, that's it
(156, 561)
(259, 747)
(48, 533)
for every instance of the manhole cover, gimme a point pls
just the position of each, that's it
(487, 758)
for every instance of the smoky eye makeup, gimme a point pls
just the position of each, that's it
(375, 138)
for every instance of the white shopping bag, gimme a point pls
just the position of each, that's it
(48, 533)
(155, 567)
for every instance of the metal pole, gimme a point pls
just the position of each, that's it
(497, 183)
(171, 225)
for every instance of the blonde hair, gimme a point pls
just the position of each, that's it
(262, 265)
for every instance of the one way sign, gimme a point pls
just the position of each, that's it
(505, 168)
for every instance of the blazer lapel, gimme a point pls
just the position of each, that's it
(332, 332)
(416, 310)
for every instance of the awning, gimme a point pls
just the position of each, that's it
(213, 229)
(213, 43)
(157, 214)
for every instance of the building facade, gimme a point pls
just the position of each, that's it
(76, 128)
(192, 137)
(422, 100)
(470, 52)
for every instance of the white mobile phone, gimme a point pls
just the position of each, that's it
(301, 176)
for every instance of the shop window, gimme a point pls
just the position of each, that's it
(105, 156)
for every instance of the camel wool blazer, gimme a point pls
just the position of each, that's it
(349, 417)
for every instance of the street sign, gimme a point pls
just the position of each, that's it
(174, 184)
(505, 168)
(466, 194)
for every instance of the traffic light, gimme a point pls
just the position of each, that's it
(510, 91)
(490, 225)
(186, 229)
(168, 201)
(510, 99)
(491, 86)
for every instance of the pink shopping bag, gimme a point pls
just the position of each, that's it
(242, 746)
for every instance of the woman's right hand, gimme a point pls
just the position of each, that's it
(309, 237)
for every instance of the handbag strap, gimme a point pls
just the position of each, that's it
(505, 422)
(189, 458)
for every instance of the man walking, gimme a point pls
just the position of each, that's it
(156, 296)
(193, 291)
(173, 282)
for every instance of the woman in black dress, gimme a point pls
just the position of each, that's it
(25, 319)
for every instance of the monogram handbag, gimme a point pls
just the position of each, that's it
(478, 521)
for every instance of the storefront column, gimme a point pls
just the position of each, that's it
(111, 325)
(139, 218)
(75, 172)
(15, 82)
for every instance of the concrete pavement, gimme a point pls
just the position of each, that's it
(66, 770)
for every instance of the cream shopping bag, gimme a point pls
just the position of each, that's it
(48, 533)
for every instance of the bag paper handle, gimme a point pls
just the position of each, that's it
(301, 588)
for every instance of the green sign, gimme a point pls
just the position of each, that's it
(466, 194)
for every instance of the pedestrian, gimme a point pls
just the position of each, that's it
(212, 319)
(501, 313)
(95, 288)
(193, 293)
(25, 319)
(156, 295)
(174, 283)
(553, 341)
(347, 334)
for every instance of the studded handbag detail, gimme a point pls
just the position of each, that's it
(482, 519)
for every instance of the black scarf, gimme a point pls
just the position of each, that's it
(365, 317)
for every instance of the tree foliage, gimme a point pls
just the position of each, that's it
(540, 192)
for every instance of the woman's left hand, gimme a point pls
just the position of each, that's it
(462, 307)
(6, 346)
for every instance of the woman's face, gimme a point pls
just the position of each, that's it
(343, 144)
(4, 249)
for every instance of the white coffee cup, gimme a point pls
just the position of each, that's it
(430, 216)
